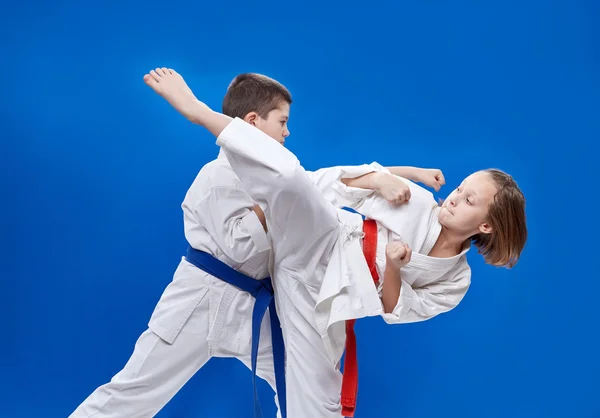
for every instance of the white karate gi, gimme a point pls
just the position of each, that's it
(198, 315)
(320, 275)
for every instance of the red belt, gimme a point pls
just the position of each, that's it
(350, 378)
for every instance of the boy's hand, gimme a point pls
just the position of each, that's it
(261, 216)
(432, 177)
(392, 188)
(397, 254)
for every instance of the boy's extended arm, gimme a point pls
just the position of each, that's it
(432, 177)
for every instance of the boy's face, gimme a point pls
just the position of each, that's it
(275, 125)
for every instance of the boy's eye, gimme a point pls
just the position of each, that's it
(469, 201)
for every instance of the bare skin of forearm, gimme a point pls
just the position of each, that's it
(405, 171)
(366, 181)
(261, 216)
(392, 283)
(370, 181)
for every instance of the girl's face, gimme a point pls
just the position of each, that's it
(465, 211)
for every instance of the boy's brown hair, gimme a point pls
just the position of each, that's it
(252, 92)
(506, 215)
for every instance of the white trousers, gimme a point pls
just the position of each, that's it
(158, 369)
(304, 229)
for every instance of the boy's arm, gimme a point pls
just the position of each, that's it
(432, 177)
(408, 172)
(231, 218)
(328, 181)
(351, 185)
(389, 186)
(261, 216)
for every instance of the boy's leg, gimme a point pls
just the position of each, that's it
(265, 368)
(155, 372)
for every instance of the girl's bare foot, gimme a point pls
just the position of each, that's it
(173, 88)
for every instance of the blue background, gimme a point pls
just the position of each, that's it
(94, 166)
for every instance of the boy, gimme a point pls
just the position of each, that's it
(324, 278)
(193, 319)
(198, 315)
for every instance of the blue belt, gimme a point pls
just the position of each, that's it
(262, 290)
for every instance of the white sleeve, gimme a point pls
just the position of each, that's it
(420, 304)
(226, 213)
(328, 181)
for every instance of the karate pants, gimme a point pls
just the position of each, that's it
(158, 369)
(304, 229)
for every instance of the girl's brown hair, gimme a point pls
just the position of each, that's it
(506, 215)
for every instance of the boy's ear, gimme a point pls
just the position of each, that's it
(251, 118)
